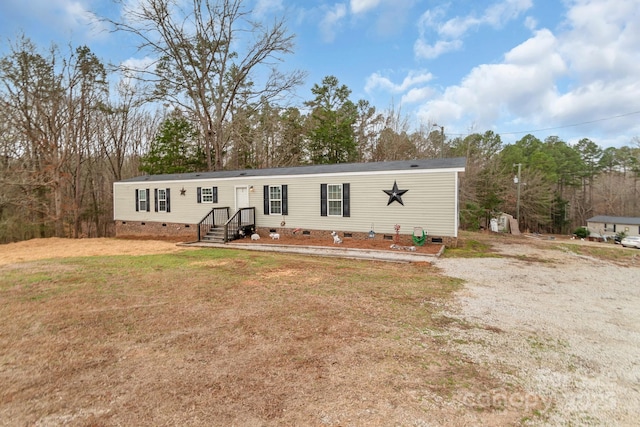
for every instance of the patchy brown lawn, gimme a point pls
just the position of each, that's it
(37, 249)
(175, 336)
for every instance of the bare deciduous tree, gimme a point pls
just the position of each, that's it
(208, 58)
(33, 99)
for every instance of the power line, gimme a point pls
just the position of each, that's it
(571, 125)
(556, 127)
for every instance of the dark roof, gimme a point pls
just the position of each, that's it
(615, 219)
(456, 163)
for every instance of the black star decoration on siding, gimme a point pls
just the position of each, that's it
(395, 195)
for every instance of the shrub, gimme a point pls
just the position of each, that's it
(582, 232)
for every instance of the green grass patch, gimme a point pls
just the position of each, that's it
(470, 248)
(615, 253)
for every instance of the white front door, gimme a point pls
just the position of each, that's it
(242, 201)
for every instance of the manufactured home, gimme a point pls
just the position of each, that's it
(356, 200)
(609, 226)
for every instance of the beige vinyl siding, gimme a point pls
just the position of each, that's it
(184, 209)
(599, 228)
(430, 202)
(628, 229)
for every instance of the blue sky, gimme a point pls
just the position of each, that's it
(567, 68)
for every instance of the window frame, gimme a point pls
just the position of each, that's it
(337, 201)
(345, 201)
(214, 192)
(204, 197)
(283, 201)
(142, 200)
(273, 201)
(162, 199)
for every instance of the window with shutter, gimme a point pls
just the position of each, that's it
(335, 200)
(207, 194)
(276, 200)
(142, 200)
(161, 195)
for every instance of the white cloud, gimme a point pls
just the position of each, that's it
(604, 40)
(522, 85)
(530, 23)
(71, 18)
(332, 20)
(498, 14)
(376, 81)
(390, 17)
(602, 48)
(266, 7)
(427, 51)
(457, 27)
(586, 71)
(450, 32)
(416, 95)
(535, 50)
(430, 18)
(133, 66)
(360, 6)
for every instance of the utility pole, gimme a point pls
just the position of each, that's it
(517, 180)
(441, 138)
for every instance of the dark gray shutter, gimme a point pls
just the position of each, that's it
(285, 200)
(346, 196)
(265, 199)
(323, 199)
(155, 199)
(214, 194)
(168, 200)
(137, 201)
(199, 194)
(148, 204)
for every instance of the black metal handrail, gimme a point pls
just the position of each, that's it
(243, 219)
(216, 218)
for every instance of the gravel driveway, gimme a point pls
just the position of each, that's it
(563, 327)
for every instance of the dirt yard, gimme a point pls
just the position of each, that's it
(563, 324)
(37, 249)
(558, 330)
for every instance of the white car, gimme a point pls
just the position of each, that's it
(631, 242)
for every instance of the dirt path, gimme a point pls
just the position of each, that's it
(565, 327)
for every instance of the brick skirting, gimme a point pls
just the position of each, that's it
(190, 232)
(157, 230)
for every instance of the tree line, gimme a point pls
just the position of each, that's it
(215, 99)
